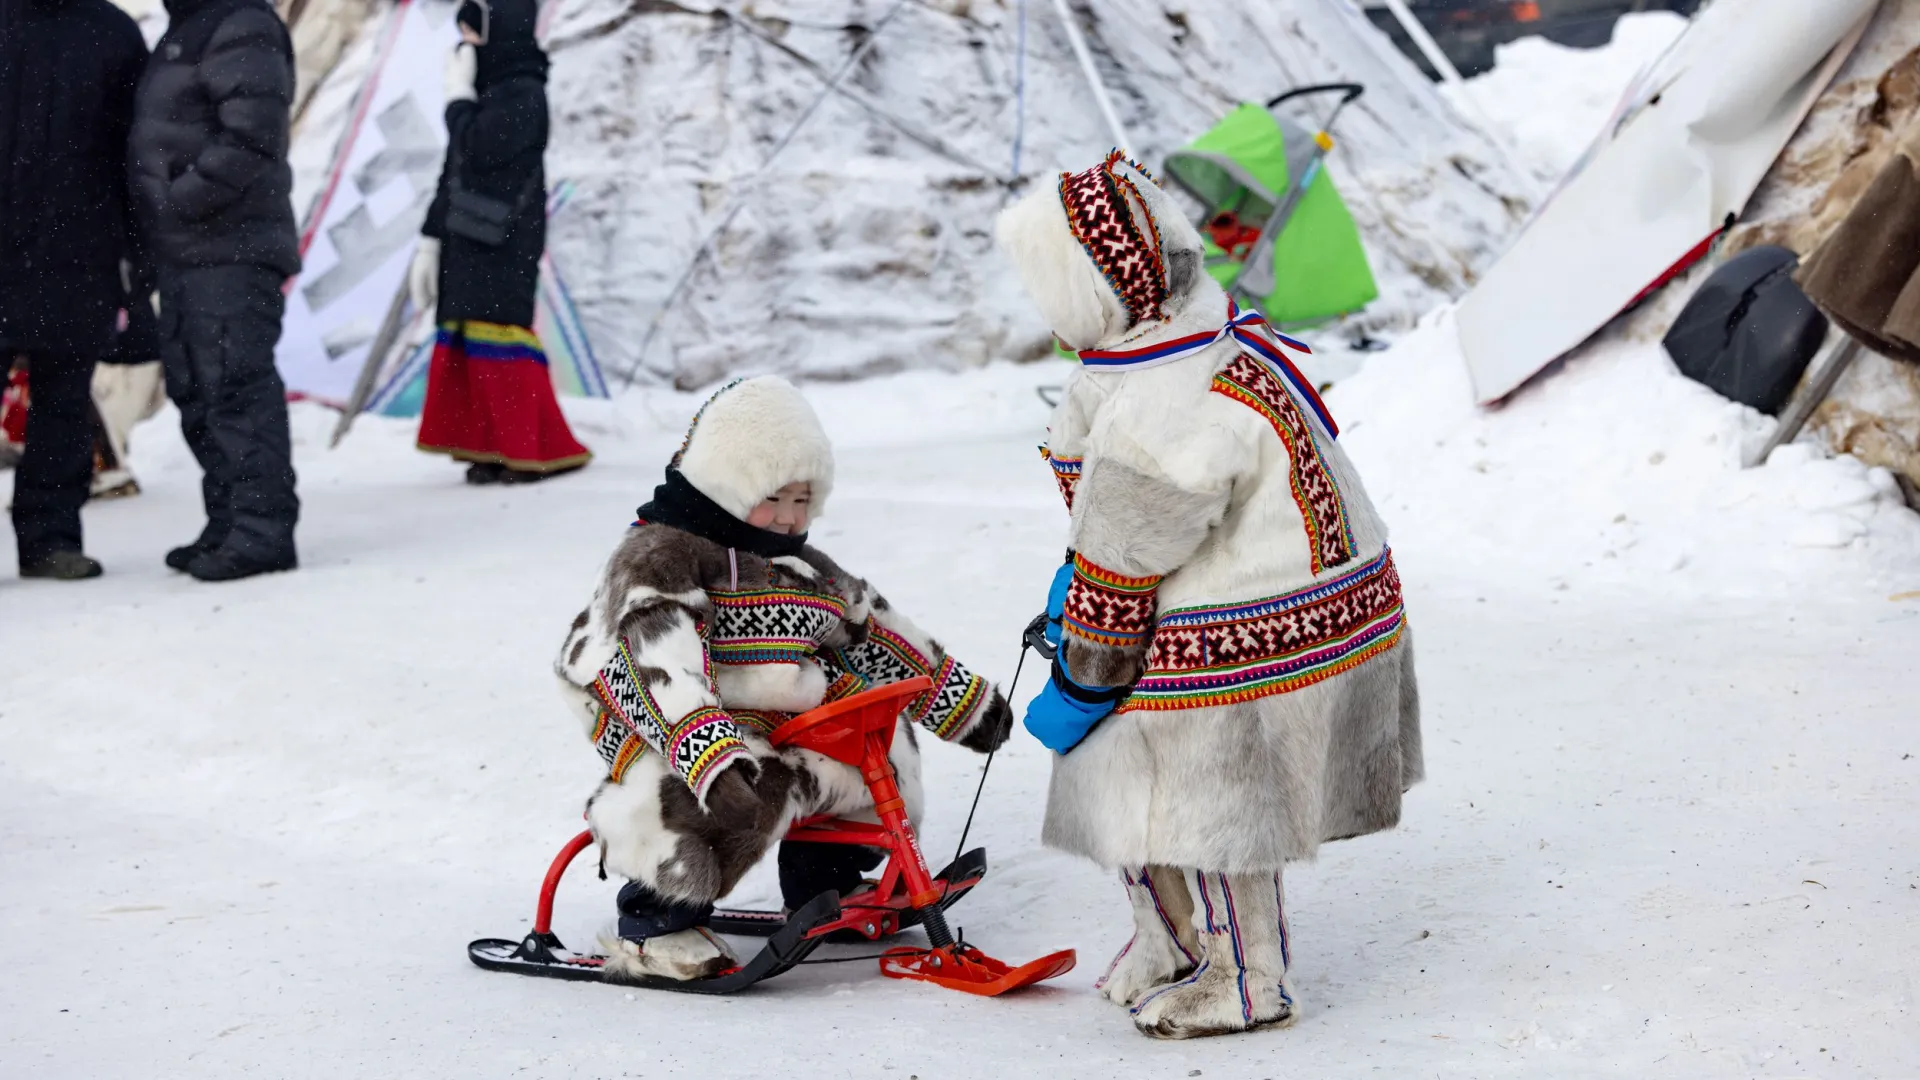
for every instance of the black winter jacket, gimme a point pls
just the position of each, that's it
(65, 221)
(497, 143)
(209, 149)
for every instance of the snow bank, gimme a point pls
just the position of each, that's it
(1549, 101)
(1614, 471)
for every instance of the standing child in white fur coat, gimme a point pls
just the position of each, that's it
(1235, 679)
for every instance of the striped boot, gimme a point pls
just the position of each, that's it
(1164, 947)
(1241, 983)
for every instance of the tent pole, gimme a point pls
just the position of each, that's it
(1815, 391)
(1093, 77)
(1431, 50)
(740, 202)
(1019, 97)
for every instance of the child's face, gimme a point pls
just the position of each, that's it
(784, 511)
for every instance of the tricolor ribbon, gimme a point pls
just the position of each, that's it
(1240, 324)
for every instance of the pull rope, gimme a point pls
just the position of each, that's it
(984, 769)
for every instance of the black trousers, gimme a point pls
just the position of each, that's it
(52, 481)
(218, 328)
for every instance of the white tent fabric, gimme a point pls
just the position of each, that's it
(1693, 138)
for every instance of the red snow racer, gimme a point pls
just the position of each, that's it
(858, 731)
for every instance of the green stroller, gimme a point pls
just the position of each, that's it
(1277, 235)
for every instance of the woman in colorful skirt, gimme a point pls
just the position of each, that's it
(490, 399)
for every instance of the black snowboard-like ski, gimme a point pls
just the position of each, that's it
(789, 940)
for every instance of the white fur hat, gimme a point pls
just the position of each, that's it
(752, 438)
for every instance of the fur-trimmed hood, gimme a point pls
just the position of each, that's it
(1050, 236)
(752, 438)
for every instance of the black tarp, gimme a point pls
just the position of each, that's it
(1749, 333)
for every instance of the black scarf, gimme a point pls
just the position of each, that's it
(679, 505)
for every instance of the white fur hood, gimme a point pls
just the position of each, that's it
(752, 438)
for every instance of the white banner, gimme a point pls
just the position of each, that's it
(371, 210)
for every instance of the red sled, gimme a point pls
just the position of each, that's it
(857, 731)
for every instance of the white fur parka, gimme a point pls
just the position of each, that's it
(1229, 568)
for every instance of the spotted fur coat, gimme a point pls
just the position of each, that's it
(685, 642)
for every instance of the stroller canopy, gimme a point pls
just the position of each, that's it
(1240, 170)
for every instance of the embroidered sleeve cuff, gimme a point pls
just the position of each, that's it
(1109, 608)
(1066, 472)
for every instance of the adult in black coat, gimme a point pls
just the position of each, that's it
(490, 400)
(66, 238)
(212, 185)
(496, 144)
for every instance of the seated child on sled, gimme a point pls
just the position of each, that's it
(713, 623)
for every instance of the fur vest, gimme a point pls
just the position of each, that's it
(688, 646)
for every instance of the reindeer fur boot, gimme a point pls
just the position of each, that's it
(1241, 983)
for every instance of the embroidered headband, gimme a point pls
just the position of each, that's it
(1105, 211)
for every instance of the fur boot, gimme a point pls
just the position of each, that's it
(1164, 948)
(1241, 983)
(695, 953)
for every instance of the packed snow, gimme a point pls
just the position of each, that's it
(248, 830)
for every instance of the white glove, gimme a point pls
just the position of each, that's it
(462, 68)
(423, 277)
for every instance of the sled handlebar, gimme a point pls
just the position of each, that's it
(1349, 92)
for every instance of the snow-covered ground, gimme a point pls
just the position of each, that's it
(248, 830)
(1669, 829)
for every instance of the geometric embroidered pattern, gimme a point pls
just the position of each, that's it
(956, 693)
(1207, 656)
(771, 626)
(1330, 540)
(886, 657)
(698, 745)
(1108, 607)
(1097, 202)
(1066, 473)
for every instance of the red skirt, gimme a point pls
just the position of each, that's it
(490, 399)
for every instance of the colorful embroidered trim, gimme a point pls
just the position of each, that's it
(1105, 211)
(762, 721)
(1108, 607)
(702, 743)
(697, 745)
(616, 743)
(956, 693)
(491, 341)
(695, 423)
(887, 657)
(1330, 540)
(1240, 326)
(1207, 656)
(771, 626)
(1066, 472)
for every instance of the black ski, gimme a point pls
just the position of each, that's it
(544, 955)
(961, 876)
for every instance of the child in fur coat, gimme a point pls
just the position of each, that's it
(713, 623)
(1234, 683)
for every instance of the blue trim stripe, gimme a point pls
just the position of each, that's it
(1240, 326)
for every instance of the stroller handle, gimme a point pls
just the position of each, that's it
(1349, 92)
